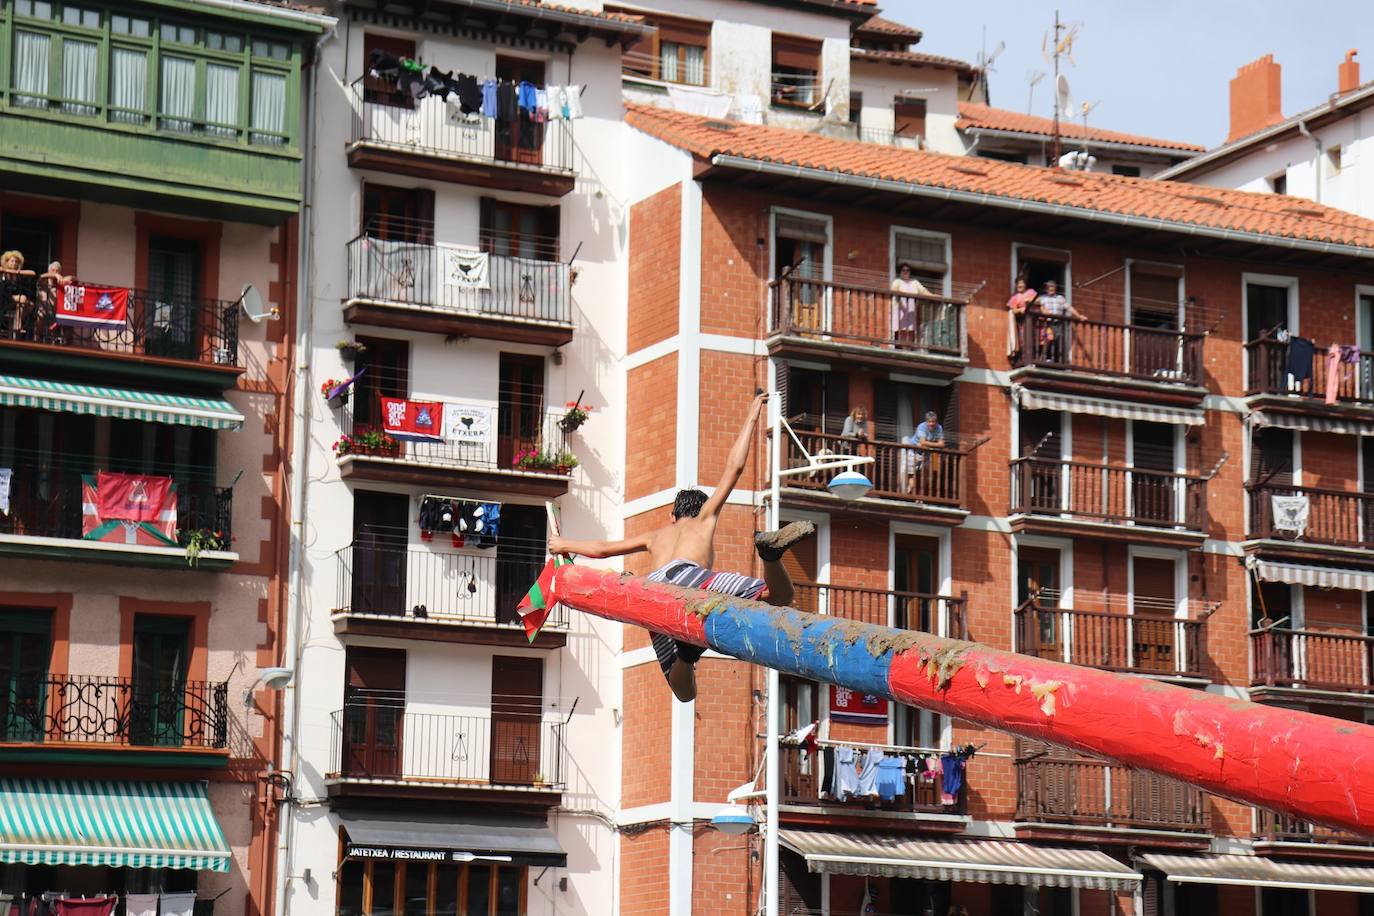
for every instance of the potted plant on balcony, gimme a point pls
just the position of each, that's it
(575, 416)
(367, 440)
(201, 540)
(335, 392)
(349, 350)
(542, 459)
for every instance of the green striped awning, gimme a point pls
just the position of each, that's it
(104, 822)
(125, 403)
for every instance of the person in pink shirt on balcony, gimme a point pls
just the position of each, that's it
(1016, 309)
(904, 307)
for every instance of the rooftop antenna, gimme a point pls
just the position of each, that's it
(1053, 47)
(1033, 79)
(1087, 109)
(985, 65)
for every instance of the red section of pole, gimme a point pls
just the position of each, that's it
(1301, 764)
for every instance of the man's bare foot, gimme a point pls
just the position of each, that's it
(682, 678)
(771, 545)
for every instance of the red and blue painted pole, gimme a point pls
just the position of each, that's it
(1311, 767)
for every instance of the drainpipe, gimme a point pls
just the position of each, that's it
(305, 288)
(1317, 168)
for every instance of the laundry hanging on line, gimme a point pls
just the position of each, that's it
(469, 98)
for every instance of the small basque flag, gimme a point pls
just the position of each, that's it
(536, 606)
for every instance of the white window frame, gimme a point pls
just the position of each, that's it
(1180, 561)
(1066, 596)
(773, 214)
(894, 231)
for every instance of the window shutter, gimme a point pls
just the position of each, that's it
(797, 53)
(787, 226)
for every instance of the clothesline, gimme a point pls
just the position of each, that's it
(901, 748)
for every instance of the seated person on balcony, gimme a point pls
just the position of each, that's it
(904, 307)
(16, 287)
(930, 434)
(682, 554)
(1055, 339)
(50, 285)
(1016, 310)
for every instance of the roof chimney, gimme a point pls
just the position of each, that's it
(1348, 73)
(1255, 102)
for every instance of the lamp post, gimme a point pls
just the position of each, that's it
(848, 485)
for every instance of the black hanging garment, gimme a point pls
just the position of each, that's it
(1300, 353)
(469, 93)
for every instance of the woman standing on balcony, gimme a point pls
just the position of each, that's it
(904, 307)
(1016, 311)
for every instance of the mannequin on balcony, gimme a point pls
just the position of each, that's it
(683, 552)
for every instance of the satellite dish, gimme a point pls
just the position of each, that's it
(1063, 97)
(253, 306)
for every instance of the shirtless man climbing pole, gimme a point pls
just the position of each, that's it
(682, 553)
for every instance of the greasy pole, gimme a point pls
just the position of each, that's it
(1308, 766)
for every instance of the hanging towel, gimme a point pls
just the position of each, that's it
(89, 906)
(1290, 513)
(951, 778)
(868, 774)
(573, 105)
(489, 98)
(1333, 373)
(526, 97)
(541, 104)
(178, 904)
(140, 905)
(555, 96)
(1300, 353)
(846, 773)
(891, 777)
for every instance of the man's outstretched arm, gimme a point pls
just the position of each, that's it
(598, 549)
(739, 456)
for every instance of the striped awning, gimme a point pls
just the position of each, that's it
(124, 403)
(1255, 871)
(978, 861)
(118, 824)
(1302, 423)
(1106, 407)
(1317, 576)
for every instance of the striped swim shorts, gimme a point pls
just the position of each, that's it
(690, 575)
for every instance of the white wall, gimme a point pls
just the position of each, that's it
(447, 678)
(880, 83)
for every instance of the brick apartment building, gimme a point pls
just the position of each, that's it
(1104, 496)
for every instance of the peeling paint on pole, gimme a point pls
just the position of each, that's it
(1297, 763)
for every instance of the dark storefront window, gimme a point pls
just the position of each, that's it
(385, 888)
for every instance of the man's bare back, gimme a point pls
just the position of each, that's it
(688, 539)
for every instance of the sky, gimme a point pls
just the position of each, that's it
(1160, 69)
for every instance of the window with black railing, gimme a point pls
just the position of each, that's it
(75, 313)
(168, 499)
(512, 273)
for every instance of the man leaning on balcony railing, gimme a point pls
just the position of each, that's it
(1056, 332)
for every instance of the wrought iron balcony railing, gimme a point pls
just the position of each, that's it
(1272, 827)
(941, 615)
(1103, 348)
(130, 712)
(1102, 493)
(381, 742)
(171, 327)
(1337, 518)
(907, 323)
(907, 473)
(1148, 642)
(425, 127)
(446, 587)
(416, 274)
(1267, 373)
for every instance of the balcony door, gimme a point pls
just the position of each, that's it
(25, 651)
(916, 569)
(162, 650)
(374, 707)
(1156, 308)
(1154, 604)
(385, 368)
(521, 140)
(520, 553)
(1154, 489)
(380, 535)
(520, 413)
(1037, 576)
(398, 214)
(1042, 481)
(801, 253)
(172, 310)
(517, 700)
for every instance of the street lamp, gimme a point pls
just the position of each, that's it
(848, 485)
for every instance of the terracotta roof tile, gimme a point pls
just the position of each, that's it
(1273, 215)
(974, 116)
(877, 25)
(917, 58)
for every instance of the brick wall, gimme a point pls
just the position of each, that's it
(655, 268)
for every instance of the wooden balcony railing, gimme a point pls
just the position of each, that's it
(1136, 643)
(1096, 793)
(1311, 660)
(911, 473)
(1335, 517)
(940, 615)
(864, 316)
(1103, 348)
(1267, 373)
(1098, 492)
(1272, 827)
(804, 778)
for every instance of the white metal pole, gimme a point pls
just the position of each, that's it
(770, 836)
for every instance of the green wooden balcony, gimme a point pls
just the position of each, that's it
(168, 107)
